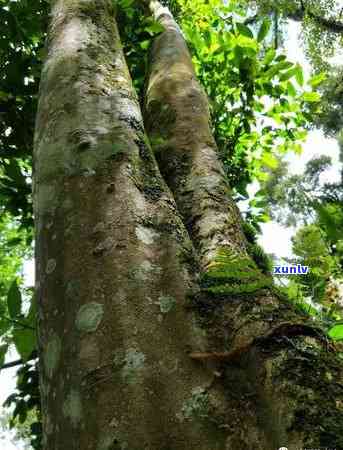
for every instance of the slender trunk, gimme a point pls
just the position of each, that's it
(293, 374)
(114, 261)
(178, 122)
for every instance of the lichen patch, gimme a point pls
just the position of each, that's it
(196, 406)
(166, 303)
(50, 266)
(134, 363)
(72, 407)
(52, 355)
(89, 317)
(146, 235)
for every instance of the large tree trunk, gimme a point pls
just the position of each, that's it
(112, 254)
(294, 377)
(134, 355)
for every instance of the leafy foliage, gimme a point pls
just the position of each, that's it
(318, 243)
(21, 50)
(259, 106)
(26, 417)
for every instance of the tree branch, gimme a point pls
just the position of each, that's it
(17, 362)
(329, 24)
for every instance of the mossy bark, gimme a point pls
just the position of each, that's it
(270, 359)
(115, 327)
(177, 120)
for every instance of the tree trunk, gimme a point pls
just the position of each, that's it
(294, 376)
(114, 330)
(137, 352)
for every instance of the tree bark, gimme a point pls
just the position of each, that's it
(136, 351)
(293, 372)
(114, 261)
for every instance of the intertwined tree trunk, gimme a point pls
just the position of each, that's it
(157, 331)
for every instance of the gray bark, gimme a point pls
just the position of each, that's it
(112, 282)
(135, 352)
(249, 323)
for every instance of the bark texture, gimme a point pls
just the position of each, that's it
(292, 373)
(112, 256)
(136, 351)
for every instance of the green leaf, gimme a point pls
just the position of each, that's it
(263, 31)
(291, 91)
(287, 75)
(275, 69)
(145, 44)
(126, 3)
(311, 97)
(280, 58)
(336, 332)
(270, 160)
(299, 76)
(14, 300)
(25, 342)
(154, 28)
(245, 30)
(316, 80)
(246, 42)
(30, 319)
(269, 56)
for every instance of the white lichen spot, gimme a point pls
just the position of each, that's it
(101, 130)
(146, 235)
(144, 271)
(50, 266)
(89, 317)
(166, 303)
(52, 354)
(134, 362)
(72, 407)
(89, 172)
(196, 406)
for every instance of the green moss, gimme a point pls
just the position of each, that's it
(233, 274)
(256, 252)
(261, 258)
